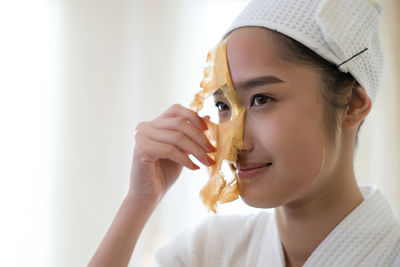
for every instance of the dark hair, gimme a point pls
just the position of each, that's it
(339, 88)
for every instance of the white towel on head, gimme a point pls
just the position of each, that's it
(337, 30)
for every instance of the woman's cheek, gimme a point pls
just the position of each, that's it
(297, 147)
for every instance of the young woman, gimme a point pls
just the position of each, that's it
(307, 73)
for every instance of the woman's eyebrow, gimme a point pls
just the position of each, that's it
(258, 81)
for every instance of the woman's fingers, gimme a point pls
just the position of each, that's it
(183, 135)
(181, 130)
(193, 133)
(151, 149)
(185, 113)
(180, 141)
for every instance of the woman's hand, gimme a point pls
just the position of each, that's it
(162, 149)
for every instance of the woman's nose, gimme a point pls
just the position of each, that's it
(248, 142)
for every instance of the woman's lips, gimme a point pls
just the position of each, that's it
(248, 171)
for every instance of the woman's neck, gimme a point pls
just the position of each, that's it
(304, 224)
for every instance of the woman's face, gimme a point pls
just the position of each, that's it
(283, 128)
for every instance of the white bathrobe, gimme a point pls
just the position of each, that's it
(368, 236)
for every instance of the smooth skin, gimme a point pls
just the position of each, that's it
(283, 125)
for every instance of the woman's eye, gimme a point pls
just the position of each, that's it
(221, 106)
(259, 100)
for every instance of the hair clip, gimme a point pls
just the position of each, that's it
(352, 57)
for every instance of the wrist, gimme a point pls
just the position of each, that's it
(145, 201)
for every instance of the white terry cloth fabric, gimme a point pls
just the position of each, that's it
(336, 30)
(368, 236)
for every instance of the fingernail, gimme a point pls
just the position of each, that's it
(195, 166)
(211, 147)
(204, 125)
(210, 161)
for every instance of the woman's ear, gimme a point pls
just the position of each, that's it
(358, 108)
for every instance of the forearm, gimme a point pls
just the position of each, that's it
(120, 240)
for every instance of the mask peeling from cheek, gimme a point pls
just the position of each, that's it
(227, 136)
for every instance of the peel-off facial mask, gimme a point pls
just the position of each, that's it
(227, 135)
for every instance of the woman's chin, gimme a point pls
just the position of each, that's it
(257, 196)
(261, 202)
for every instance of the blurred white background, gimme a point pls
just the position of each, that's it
(76, 76)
